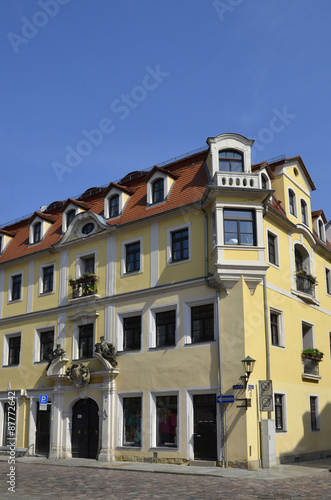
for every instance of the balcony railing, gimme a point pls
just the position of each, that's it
(306, 284)
(84, 286)
(311, 366)
(237, 179)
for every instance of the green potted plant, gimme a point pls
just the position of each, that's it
(312, 353)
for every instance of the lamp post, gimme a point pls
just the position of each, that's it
(248, 364)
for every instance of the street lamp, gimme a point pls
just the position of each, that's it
(248, 364)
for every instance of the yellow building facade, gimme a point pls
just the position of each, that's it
(126, 315)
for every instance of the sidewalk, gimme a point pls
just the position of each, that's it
(279, 472)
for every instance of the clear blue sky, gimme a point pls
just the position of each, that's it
(156, 78)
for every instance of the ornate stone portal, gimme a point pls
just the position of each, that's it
(78, 374)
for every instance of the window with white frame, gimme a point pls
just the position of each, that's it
(307, 336)
(131, 421)
(37, 231)
(132, 333)
(292, 202)
(85, 341)
(230, 161)
(114, 206)
(179, 244)
(304, 212)
(239, 227)
(213, 229)
(164, 408)
(280, 412)
(47, 279)
(158, 190)
(86, 264)
(84, 334)
(199, 321)
(328, 281)
(264, 181)
(44, 344)
(163, 326)
(12, 349)
(132, 256)
(321, 230)
(70, 215)
(15, 287)
(115, 201)
(129, 331)
(273, 250)
(277, 328)
(314, 413)
(158, 187)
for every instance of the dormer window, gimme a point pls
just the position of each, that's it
(37, 232)
(159, 183)
(230, 161)
(114, 206)
(70, 209)
(115, 198)
(70, 216)
(264, 181)
(158, 190)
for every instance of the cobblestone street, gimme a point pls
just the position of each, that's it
(34, 481)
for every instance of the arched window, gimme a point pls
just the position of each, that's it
(230, 161)
(158, 190)
(292, 202)
(321, 230)
(264, 181)
(37, 232)
(114, 204)
(298, 260)
(304, 216)
(70, 216)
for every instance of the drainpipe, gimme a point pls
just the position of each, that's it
(218, 330)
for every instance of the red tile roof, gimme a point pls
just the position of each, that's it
(188, 188)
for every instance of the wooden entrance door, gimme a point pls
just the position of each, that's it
(205, 435)
(85, 429)
(43, 430)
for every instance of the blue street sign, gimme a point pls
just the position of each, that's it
(251, 387)
(225, 399)
(238, 386)
(43, 399)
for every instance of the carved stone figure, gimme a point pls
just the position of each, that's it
(78, 374)
(107, 351)
(57, 353)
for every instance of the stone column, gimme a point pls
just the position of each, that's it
(107, 452)
(57, 422)
(32, 426)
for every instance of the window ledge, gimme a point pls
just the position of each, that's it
(163, 448)
(129, 447)
(305, 296)
(85, 298)
(310, 376)
(198, 344)
(44, 294)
